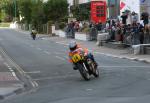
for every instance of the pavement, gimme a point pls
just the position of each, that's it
(9, 82)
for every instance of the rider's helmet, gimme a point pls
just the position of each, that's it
(72, 46)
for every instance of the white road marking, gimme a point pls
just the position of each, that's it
(105, 54)
(124, 67)
(59, 57)
(39, 48)
(56, 77)
(62, 43)
(47, 52)
(21, 71)
(89, 89)
(33, 72)
(6, 64)
(59, 52)
(11, 70)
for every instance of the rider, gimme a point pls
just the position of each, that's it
(73, 46)
(33, 33)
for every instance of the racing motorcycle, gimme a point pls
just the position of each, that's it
(33, 34)
(85, 66)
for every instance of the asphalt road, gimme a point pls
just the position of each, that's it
(45, 61)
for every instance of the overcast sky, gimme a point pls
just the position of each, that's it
(70, 2)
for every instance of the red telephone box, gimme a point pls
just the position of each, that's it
(98, 11)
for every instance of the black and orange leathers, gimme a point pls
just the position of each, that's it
(79, 49)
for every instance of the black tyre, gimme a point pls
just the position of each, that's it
(84, 73)
(94, 70)
(96, 73)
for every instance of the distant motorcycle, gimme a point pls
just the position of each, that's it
(85, 66)
(33, 34)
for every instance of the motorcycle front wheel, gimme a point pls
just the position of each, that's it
(84, 72)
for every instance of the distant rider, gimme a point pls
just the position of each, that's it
(33, 33)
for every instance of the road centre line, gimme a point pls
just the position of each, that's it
(56, 77)
(59, 53)
(39, 48)
(124, 67)
(47, 52)
(59, 57)
(62, 43)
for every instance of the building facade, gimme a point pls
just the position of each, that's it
(113, 6)
(145, 6)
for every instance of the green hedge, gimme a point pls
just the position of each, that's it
(4, 24)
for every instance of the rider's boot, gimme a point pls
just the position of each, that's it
(75, 67)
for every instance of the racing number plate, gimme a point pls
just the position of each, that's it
(76, 58)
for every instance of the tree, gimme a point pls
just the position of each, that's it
(81, 12)
(8, 6)
(25, 9)
(37, 13)
(56, 9)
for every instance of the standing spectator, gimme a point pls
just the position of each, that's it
(141, 33)
(124, 18)
(99, 26)
(113, 30)
(93, 32)
(76, 26)
(129, 19)
(92, 24)
(80, 26)
(145, 18)
(119, 33)
(134, 17)
(128, 35)
(147, 34)
(70, 29)
(135, 34)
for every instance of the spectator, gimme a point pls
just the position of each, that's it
(80, 26)
(99, 26)
(147, 34)
(145, 18)
(124, 18)
(70, 30)
(135, 34)
(129, 18)
(134, 17)
(141, 33)
(76, 26)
